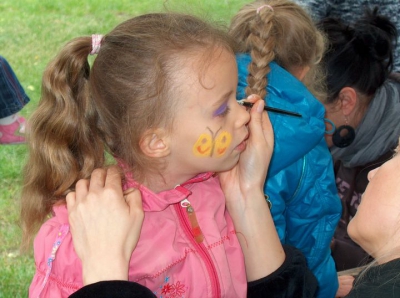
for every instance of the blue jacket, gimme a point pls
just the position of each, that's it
(300, 183)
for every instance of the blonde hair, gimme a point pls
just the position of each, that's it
(278, 30)
(84, 113)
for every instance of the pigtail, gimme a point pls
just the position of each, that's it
(261, 43)
(281, 31)
(64, 145)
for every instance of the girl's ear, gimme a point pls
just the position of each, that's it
(300, 72)
(154, 143)
(348, 99)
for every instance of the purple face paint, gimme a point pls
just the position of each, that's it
(221, 110)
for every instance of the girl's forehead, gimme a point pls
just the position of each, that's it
(202, 67)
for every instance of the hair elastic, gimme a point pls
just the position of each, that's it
(96, 43)
(329, 132)
(264, 6)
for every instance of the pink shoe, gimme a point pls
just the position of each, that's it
(13, 133)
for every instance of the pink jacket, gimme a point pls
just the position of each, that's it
(167, 259)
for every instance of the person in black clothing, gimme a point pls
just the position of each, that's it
(363, 104)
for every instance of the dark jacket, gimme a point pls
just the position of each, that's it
(352, 165)
(381, 281)
(351, 184)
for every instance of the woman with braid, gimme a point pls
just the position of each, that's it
(278, 55)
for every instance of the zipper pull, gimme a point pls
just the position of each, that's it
(196, 231)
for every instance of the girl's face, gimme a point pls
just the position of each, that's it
(376, 225)
(210, 128)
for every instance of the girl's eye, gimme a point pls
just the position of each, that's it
(222, 111)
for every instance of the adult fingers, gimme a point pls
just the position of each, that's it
(81, 189)
(260, 125)
(113, 177)
(97, 179)
(113, 180)
(134, 200)
(258, 128)
(71, 199)
(267, 129)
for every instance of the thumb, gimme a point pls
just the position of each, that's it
(134, 201)
(71, 199)
(256, 123)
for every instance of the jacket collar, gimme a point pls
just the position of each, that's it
(159, 201)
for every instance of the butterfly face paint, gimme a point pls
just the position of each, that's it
(212, 144)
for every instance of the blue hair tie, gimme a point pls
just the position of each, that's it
(330, 132)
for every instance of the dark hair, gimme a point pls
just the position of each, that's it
(359, 55)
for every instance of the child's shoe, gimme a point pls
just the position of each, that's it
(13, 133)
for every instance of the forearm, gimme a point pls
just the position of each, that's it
(258, 238)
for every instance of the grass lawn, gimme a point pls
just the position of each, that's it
(31, 33)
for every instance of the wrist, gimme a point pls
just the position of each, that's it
(252, 201)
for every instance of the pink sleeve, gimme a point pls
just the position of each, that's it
(58, 268)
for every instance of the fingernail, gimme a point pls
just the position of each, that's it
(260, 106)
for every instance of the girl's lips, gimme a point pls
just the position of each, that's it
(242, 146)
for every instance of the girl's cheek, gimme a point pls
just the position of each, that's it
(203, 146)
(212, 144)
(222, 143)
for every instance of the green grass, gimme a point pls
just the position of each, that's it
(31, 33)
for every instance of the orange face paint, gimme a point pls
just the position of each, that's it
(209, 144)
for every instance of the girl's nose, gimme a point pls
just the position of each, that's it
(244, 116)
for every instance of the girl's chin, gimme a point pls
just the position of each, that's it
(229, 165)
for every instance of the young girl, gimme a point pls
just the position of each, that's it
(160, 98)
(279, 49)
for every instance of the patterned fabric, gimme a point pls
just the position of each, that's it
(350, 10)
(64, 229)
(176, 265)
(12, 95)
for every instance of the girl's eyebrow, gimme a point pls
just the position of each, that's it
(223, 98)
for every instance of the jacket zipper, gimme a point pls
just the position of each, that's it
(194, 224)
(189, 228)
